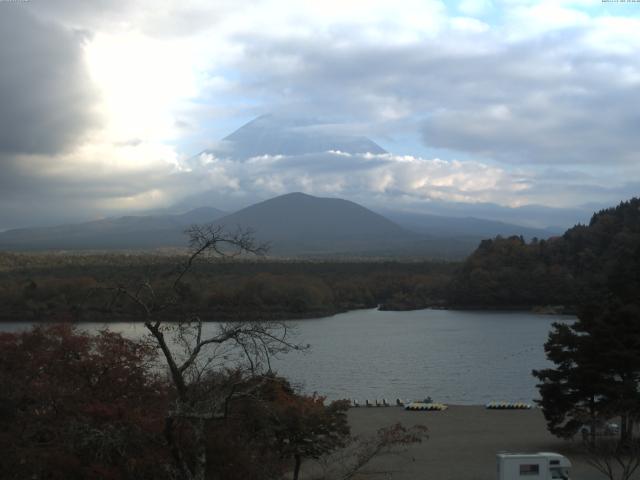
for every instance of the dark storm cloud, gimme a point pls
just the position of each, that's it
(25, 198)
(46, 96)
(87, 14)
(31, 195)
(151, 17)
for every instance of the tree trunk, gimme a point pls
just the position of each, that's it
(624, 429)
(200, 448)
(176, 453)
(594, 422)
(296, 470)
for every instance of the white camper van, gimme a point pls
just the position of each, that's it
(533, 466)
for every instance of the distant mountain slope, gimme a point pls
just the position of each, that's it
(534, 216)
(468, 227)
(277, 135)
(294, 224)
(297, 223)
(111, 233)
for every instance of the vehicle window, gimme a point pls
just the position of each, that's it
(530, 469)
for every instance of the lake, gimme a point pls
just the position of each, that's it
(458, 357)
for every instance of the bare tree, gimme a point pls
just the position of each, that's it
(210, 365)
(192, 349)
(613, 458)
(350, 462)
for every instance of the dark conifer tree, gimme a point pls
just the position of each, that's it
(597, 373)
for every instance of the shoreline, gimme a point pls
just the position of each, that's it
(281, 316)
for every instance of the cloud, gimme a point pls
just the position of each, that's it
(100, 111)
(356, 176)
(397, 181)
(475, 7)
(46, 95)
(559, 96)
(66, 151)
(156, 18)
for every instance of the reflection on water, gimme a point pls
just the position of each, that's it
(452, 356)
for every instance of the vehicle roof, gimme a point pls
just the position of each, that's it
(564, 461)
(530, 454)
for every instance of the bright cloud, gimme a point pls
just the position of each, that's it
(142, 82)
(340, 174)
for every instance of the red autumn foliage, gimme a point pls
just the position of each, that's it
(78, 406)
(274, 430)
(74, 405)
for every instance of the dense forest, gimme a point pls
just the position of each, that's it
(54, 287)
(587, 262)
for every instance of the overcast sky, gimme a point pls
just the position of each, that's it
(513, 102)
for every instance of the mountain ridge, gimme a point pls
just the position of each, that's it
(131, 231)
(294, 224)
(301, 223)
(439, 225)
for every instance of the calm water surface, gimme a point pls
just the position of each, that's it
(461, 357)
(452, 356)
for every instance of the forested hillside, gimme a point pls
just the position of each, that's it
(587, 261)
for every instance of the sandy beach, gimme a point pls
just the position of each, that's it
(463, 442)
